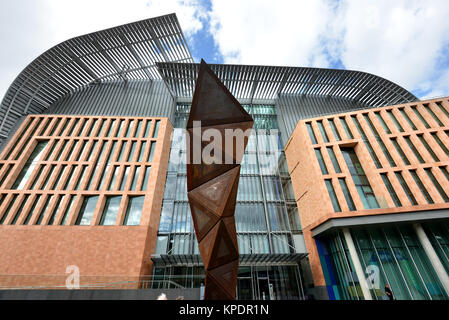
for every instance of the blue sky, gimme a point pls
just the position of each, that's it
(405, 41)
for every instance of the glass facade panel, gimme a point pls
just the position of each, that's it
(395, 121)
(437, 184)
(110, 211)
(320, 159)
(333, 158)
(418, 114)
(323, 131)
(359, 178)
(311, 133)
(400, 151)
(366, 142)
(332, 195)
(347, 194)
(407, 190)
(87, 211)
(407, 118)
(25, 174)
(421, 186)
(334, 130)
(440, 143)
(428, 148)
(134, 211)
(413, 148)
(390, 188)
(347, 130)
(146, 177)
(382, 122)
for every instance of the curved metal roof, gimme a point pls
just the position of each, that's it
(126, 52)
(266, 82)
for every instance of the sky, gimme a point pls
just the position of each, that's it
(405, 41)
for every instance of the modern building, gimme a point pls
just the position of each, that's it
(92, 173)
(374, 202)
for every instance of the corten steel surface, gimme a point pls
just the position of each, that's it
(212, 188)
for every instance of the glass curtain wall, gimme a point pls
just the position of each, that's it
(265, 210)
(388, 254)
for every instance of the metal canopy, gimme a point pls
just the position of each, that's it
(244, 259)
(268, 83)
(127, 52)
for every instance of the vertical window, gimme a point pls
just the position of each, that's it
(122, 151)
(379, 141)
(110, 211)
(321, 161)
(445, 172)
(81, 127)
(55, 210)
(135, 178)
(337, 168)
(103, 147)
(124, 179)
(67, 211)
(332, 195)
(347, 194)
(407, 118)
(93, 123)
(44, 210)
(87, 211)
(19, 211)
(323, 132)
(80, 177)
(72, 149)
(418, 114)
(6, 173)
(128, 131)
(334, 130)
(347, 130)
(90, 184)
(55, 126)
(436, 184)
(395, 121)
(83, 148)
(146, 178)
(49, 175)
(390, 188)
(111, 153)
(114, 177)
(102, 177)
(58, 180)
(131, 152)
(11, 203)
(434, 116)
(442, 108)
(73, 127)
(25, 174)
(139, 125)
(92, 149)
(440, 143)
(407, 190)
(382, 122)
(103, 122)
(120, 128)
(37, 177)
(360, 180)
(66, 122)
(400, 151)
(134, 211)
(366, 142)
(142, 151)
(413, 148)
(311, 133)
(52, 150)
(421, 186)
(61, 150)
(147, 129)
(33, 208)
(156, 128)
(69, 178)
(429, 149)
(151, 154)
(111, 127)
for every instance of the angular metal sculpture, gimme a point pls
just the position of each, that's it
(212, 185)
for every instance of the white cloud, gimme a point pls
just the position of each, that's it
(400, 40)
(28, 28)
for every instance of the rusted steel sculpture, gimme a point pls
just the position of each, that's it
(219, 119)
